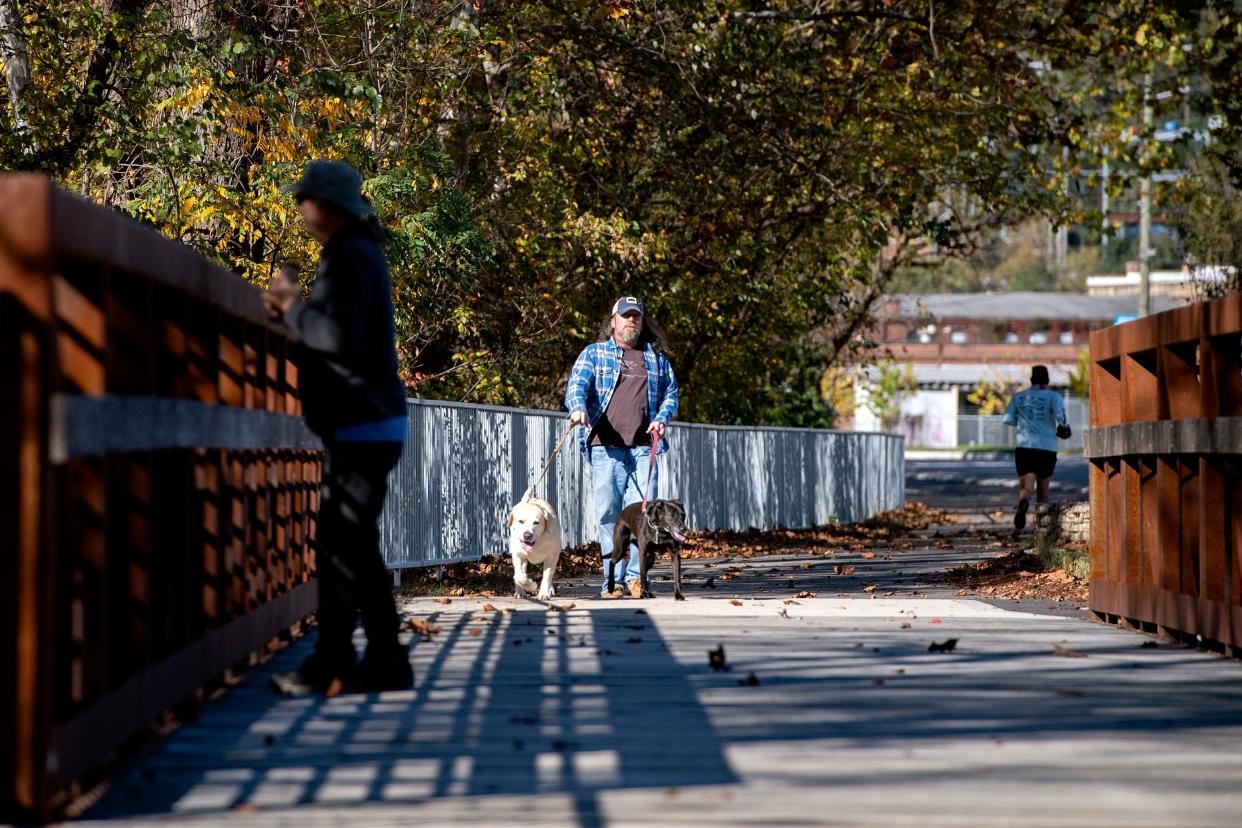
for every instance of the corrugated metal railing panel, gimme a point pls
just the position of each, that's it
(464, 466)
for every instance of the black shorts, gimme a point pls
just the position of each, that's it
(1035, 461)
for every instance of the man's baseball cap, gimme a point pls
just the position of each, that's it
(626, 304)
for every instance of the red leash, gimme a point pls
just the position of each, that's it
(655, 441)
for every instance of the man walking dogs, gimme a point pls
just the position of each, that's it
(622, 390)
(1039, 415)
(353, 399)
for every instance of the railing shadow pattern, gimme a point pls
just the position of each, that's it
(531, 702)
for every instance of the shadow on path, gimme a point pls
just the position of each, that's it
(530, 702)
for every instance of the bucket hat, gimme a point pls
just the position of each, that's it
(335, 182)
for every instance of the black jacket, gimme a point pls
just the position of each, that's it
(347, 359)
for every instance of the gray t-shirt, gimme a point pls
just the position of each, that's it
(624, 423)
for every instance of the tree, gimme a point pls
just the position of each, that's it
(1210, 218)
(758, 176)
(884, 386)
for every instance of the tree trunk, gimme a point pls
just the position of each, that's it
(16, 59)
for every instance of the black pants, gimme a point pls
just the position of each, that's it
(352, 577)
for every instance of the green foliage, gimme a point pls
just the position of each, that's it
(1074, 562)
(884, 386)
(758, 177)
(1080, 377)
(1210, 218)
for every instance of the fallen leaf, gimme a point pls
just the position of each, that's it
(792, 601)
(560, 608)
(735, 602)
(1067, 652)
(716, 658)
(475, 631)
(946, 646)
(934, 621)
(444, 600)
(804, 566)
(905, 625)
(750, 681)
(672, 791)
(460, 591)
(843, 569)
(1071, 693)
(710, 583)
(784, 613)
(423, 627)
(868, 555)
(805, 594)
(488, 608)
(870, 588)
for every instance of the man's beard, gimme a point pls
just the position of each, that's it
(628, 337)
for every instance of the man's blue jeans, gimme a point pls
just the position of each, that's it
(619, 476)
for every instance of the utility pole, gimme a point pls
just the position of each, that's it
(1104, 202)
(1144, 307)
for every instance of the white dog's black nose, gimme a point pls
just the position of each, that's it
(528, 536)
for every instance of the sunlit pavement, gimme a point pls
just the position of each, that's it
(832, 711)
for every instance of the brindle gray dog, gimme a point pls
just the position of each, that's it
(662, 528)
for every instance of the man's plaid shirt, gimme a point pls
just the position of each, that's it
(594, 377)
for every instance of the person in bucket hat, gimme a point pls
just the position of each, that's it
(353, 399)
(623, 392)
(335, 183)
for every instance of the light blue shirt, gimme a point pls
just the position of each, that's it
(1036, 412)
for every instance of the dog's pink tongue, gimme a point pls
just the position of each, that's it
(677, 535)
(526, 547)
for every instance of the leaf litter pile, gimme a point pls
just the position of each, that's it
(1018, 575)
(1010, 576)
(881, 530)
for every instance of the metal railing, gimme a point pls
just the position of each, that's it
(990, 429)
(464, 467)
(157, 486)
(1166, 476)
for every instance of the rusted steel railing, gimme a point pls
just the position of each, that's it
(1166, 454)
(157, 489)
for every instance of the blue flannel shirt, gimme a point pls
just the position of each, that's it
(594, 377)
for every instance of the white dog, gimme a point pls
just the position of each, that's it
(534, 537)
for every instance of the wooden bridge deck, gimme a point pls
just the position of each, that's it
(605, 716)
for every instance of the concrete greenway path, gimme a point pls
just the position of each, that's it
(609, 713)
